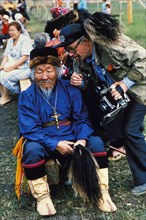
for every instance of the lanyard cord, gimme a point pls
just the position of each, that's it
(53, 107)
(102, 74)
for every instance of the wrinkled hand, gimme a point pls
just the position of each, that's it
(82, 142)
(64, 147)
(115, 93)
(76, 79)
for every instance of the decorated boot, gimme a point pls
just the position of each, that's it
(40, 190)
(105, 203)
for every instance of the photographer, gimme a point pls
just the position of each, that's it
(99, 45)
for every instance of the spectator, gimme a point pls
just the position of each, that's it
(22, 8)
(104, 7)
(40, 40)
(5, 30)
(75, 4)
(98, 49)
(20, 19)
(58, 3)
(107, 9)
(82, 4)
(58, 11)
(14, 65)
(62, 19)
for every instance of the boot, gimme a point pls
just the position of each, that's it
(105, 204)
(40, 190)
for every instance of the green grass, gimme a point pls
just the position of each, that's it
(68, 206)
(35, 26)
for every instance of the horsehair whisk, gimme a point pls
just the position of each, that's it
(83, 174)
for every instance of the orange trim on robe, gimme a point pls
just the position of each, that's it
(18, 151)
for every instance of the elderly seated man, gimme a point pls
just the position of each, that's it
(53, 119)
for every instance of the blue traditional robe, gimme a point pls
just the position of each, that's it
(34, 111)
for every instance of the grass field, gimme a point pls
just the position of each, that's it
(68, 206)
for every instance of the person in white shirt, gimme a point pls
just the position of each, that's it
(20, 19)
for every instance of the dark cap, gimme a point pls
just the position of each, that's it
(70, 33)
(43, 56)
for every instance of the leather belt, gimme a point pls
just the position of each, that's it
(60, 123)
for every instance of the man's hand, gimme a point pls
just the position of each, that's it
(64, 147)
(115, 93)
(76, 79)
(1, 68)
(82, 142)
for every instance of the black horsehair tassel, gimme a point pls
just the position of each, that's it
(83, 174)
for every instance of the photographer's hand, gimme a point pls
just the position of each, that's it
(115, 93)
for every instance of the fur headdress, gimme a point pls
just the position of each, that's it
(73, 16)
(46, 55)
(83, 175)
(103, 28)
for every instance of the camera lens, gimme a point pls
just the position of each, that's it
(103, 107)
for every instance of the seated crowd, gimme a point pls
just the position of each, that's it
(12, 12)
(15, 63)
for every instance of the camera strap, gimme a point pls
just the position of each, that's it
(102, 74)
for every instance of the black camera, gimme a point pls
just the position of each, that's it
(108, 107)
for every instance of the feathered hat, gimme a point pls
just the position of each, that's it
(103, 28)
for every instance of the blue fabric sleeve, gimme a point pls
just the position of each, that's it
(82, 128)
(30, 124)
(128, 82)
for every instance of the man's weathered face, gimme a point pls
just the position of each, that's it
(45, 76)
(81, 47)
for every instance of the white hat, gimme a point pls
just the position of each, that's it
(6, 17)
(18, 16)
